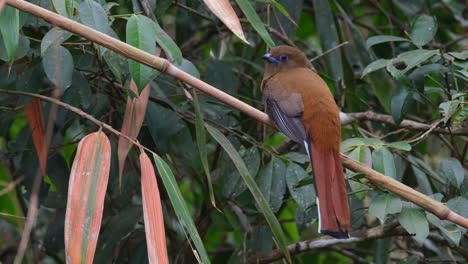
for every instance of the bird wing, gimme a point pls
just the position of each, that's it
(285, 109)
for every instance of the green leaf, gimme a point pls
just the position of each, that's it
(140, 34)
(414, 221)
(201, 144)
(374, 40)
(453, 171)
(418, 75)
(383, 162)
(400, 105)
(283, 10)
(180, 208)
(233, 183)
(93, 15)
(462, 55)
(55, 36)
(423, 182)
(373, 143)
(423, 29)
(296, 157)
(64, 7)
(21, 51)
(385, 204)
(448, 229)
(329, 39)
(256, 22)
(58, 66)
(460, 116)
(374, 66)
(303, 195)
(414, 58)
(361, 154)
(351, 143)
(262, 203)
(166, 42)
(272, 183)
(118, 65)
(402, 145)
(447, 109)
(459, 205)
(9, 21)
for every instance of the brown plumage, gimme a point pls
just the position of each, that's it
(302, 107)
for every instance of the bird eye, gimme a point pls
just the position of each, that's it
(283, 57)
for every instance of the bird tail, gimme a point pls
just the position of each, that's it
(332, 199)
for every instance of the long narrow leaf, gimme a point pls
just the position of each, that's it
(224, 11)
(86, 191)
(132, 122)
(256, 22)
(9, 21)
(152, 213)
(180, 207)
(201, 143)
(256, 192)
(36, 123)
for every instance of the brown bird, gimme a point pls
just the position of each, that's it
(302, 107)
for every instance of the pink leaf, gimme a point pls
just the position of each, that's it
(152, 213)
(224, 11)
(132, 122)
(86, 191)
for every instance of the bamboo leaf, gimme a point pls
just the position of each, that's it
(132, 122)
(224, 11)
(152, 213)
(9, 21)
(262, 203)
(140, 34)
(256, 22)
(180, 207)
(201, 143)
(86, 190)
(35, 117)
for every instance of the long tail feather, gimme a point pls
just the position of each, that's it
(332, 199)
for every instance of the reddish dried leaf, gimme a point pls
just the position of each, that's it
(36, 123)
(224, 11)
(86, 191)
(132, 122)
(2, 4)
(152, 213)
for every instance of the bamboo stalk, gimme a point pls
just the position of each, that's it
(160, 64)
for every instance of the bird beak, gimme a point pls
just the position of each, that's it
(270, 58)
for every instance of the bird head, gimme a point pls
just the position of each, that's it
(284, 58)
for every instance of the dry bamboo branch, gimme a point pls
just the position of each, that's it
(408, 124)
(163, 65)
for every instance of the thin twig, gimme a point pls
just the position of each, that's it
(328, 51)
(12, 185)
(408, 124)
(423, 135)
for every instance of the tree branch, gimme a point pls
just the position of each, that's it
(392, 229)
(164, 66)
(408, 124)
